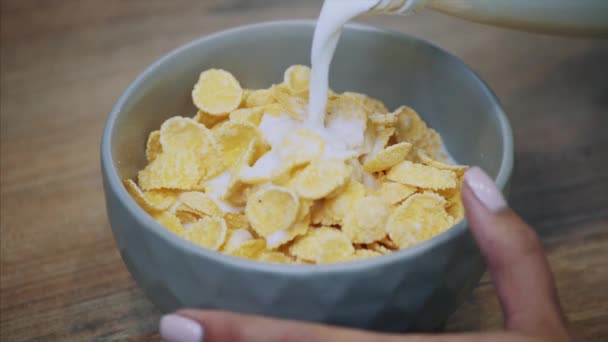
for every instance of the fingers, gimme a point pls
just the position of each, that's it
(515, 258)
(224, 326)
(218, 326)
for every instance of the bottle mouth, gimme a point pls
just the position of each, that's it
(396, 6)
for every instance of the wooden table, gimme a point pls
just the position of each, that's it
(64, 64)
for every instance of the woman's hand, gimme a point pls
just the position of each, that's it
(515, 259)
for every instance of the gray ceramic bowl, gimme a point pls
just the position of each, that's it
(413, 289)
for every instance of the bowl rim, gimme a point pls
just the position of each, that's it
(115, 184)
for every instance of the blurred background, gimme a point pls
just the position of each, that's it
(64, 63)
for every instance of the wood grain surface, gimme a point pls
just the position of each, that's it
(65, 62)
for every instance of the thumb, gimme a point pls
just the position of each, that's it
(515, 257)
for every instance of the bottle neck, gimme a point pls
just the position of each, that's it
(402, 7)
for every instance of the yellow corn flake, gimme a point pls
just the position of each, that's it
(281, 237)
(301, 147)
(170, 222)
(293, 106)
(209, 232)
(323, 245)
(320, 178)
(246, 93)
(365, 222)
(261, 97)
(365, 254)
(321, 216)
(235, 138)
(393, 192)
(274, 109)
(388, 157)
(271, 209)
(422, 176)
(250, 249)
(140, 197)
(297, 79)
(304, 209)
(153, 146)
(284, 172)
(207, 119)
(454, 205)
(338, 206)
(236, 193)
(379, 248)
(161, 198)
(376, 141)
(419, 218)
(186, 217)
(370, 104)
(455, 208)
(410, 127)
(383, 119)
(236, 221)
(217, 92)
(200, 203)
(248, 115)
(179, 133)
(235, 238)
(212, 163)
(275, 257)
(172, 171)
(388, 243)
(425, 159)
(346, 107)
(430, 143)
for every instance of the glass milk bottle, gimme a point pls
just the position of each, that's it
(567, 17)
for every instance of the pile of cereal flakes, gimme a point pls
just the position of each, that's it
(206, 179)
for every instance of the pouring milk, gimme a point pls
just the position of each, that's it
(585, 17)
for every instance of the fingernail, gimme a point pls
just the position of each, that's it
(484, 189)
(175, 328)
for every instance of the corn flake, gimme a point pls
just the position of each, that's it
(179, 133)
(209, 232)
(248, 115)
(261, 97)
(393, 192)
(217, 92)
(323, 245)
(365, 222)
(338, 206)
(425, 159)
(365, 254)
(281, 237)
(140, 197)
(274, 257)
(320, 178)
(422, 176)
(388, 157)
(235, 221)
(410, 127)
(172, 171)
(271, 209)
(169, 221)
(250, 249)
(200, 203)
(297, 79)
(207, 119)
(419, 218)
(163, 199)
(293, 106)
(153, 146)
(301, 147)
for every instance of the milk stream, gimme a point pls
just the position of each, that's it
(334, 15)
